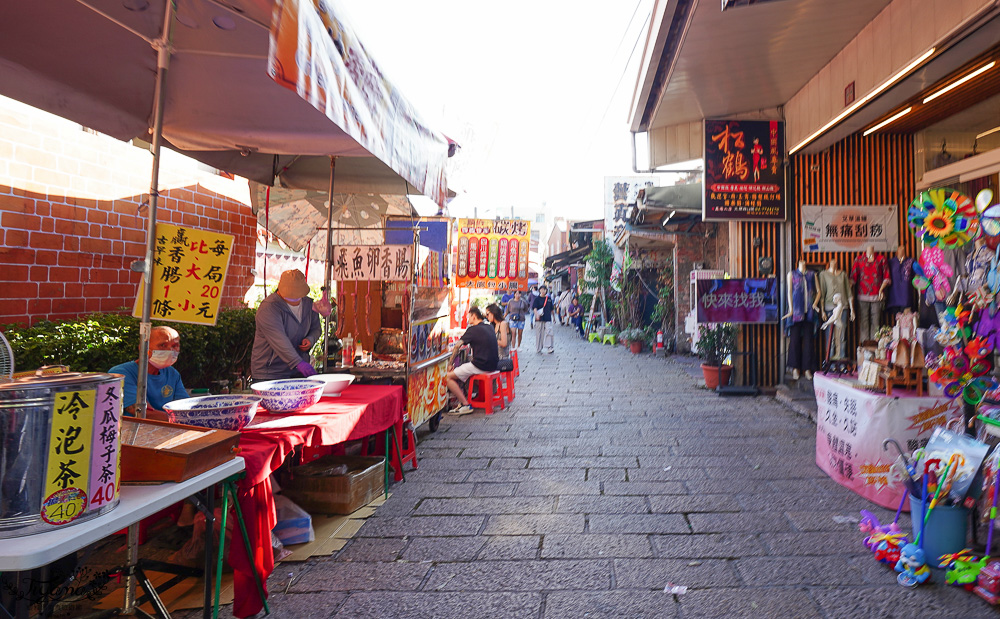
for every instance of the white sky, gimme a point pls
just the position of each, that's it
(524, 86)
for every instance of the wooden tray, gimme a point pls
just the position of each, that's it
(157, 451)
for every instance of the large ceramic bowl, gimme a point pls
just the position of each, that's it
(221, 412)
(290, 395)
(335, 383)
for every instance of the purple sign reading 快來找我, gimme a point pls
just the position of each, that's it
(738, 300)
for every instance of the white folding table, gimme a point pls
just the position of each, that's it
(21, 554)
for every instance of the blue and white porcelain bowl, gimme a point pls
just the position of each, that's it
(220, 412)
(290, 395)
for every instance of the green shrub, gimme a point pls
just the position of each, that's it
(100, 341)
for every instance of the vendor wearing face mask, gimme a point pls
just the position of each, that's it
(163, 382)
(287, 327)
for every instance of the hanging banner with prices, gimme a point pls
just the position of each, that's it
(849, 228)
(493, 254)
(105, 463)
(372, 263)
(852, 423)
(189, 271)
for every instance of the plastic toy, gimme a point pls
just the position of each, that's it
(888, 545)
(963, 568)
(988, 583)
(912, 566)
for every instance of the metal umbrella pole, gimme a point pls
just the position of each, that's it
(329, 268)
(162, 46)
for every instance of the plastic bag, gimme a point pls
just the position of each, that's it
(294, 523)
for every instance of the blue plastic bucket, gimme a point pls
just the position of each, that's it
(947, 529)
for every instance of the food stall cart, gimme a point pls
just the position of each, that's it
(394, 303)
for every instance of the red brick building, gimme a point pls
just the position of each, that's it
(73, 216)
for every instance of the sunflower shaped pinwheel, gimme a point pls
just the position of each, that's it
(943, 218)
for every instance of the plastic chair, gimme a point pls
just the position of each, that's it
(593, 337)
(490, 391)
(609, 338)
(517, 366)
(507, 386)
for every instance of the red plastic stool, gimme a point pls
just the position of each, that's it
(490, 390)
(517, 367)
(508, 385)
(407, 451)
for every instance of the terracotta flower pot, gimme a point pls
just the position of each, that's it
(716, 375)
(635, 347)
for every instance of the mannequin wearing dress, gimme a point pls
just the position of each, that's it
(901, 282)
(833, 281)
(802, 309)
(870, 275)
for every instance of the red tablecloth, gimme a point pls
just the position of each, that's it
(360, 411)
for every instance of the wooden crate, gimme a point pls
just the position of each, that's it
(157, 451)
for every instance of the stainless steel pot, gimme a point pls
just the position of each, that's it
(59, 450)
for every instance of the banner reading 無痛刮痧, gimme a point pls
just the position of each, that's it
(492, 254)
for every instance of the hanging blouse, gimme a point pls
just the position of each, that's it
(803, 293)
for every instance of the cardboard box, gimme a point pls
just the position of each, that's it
(316, 490)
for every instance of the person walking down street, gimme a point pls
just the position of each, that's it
(543, 315)
(494, 314)
(576, 315)
(564, 303)
(532, 295)
(517, 311)
(287, 327)
(485, 354)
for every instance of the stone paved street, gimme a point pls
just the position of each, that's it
(611, 476)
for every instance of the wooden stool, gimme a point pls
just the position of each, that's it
(490, 391)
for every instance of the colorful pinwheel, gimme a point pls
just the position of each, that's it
(943, 218)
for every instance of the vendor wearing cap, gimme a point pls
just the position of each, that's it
(287, 327)
(163, 382)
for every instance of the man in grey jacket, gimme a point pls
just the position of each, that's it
(287, 327)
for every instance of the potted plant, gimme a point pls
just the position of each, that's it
(715, 344)
(634, 337)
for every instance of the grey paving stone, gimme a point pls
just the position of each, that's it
(484, 489)
(815, 543)
(654, 574)
(644, 488)
(665, 473)
(894, 602)
(520, 576)
(693, 503)
(490, 505)
(463, 463)
(581, 504)
(707, 545)
(532, 524)
(443, 548)
(553, 487)
(361, 576)
(718, 603)
(824, 520)
(632, 604)
(637, 523)
(373, 549)
(421, 526)
(508, 463)
(507, 547)
(440, 605)
(414, 489)
(761, 522)
(595, 546)
(584, 462)
(783, 571)
(529, 475)
(603, 474)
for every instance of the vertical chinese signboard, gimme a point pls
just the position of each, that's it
(849, 228)
(82, 474)
(189, 270)
(492, 254)
(744, 170)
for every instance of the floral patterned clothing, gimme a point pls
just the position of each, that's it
(803, 293)
(868, 275)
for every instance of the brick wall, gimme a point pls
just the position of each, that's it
(72, 220)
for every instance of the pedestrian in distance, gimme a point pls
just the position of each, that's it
(517, 312)
(575, 314)
(481, 338)
(543, 307)
(532, 295)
